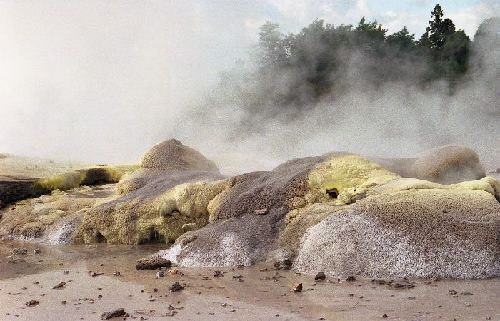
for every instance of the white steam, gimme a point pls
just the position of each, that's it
(101, 81)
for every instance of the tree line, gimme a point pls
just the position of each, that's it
(295, 70)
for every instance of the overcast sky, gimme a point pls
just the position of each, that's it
(102, 80)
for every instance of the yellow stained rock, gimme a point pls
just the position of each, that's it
(350, 175)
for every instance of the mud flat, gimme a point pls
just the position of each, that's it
(252, 293)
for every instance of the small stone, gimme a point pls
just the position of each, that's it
(384, 316)
(218, 274)
(60, 285)
(160, 274)
(351, 279)
(452, 292)
(176, 287)
(117, 273)
(297, 288)
(94, 274)
(320, 276)
(113, 314)
(32, 303)
(175, 271)
(152, 263)
(37, 251)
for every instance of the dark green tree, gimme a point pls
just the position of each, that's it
(439, 29)
(455, 53)
(401, 40)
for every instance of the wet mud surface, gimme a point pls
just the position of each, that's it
(83, 282)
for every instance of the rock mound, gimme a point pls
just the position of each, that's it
(167, 159)
(339, 213)
(448, 164)
(449, 233)
(346, 215)
(173, 155)
(445, 165)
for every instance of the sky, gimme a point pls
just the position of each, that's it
(101, 81)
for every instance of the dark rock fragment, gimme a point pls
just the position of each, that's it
(152, 263)
(113, 314)
(32, 303)
(176, 287)
(60, 285)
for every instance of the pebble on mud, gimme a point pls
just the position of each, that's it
(113, 314)
(160, 274)
(175, 271)
(176, 287)
(297, 287)
(320, 276)
(60, 285)
(32, 303)
(152, 263)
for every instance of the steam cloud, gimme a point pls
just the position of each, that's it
(394, 119)
(129, 70)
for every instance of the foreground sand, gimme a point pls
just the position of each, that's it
(256, 293)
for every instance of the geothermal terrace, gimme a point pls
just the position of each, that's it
(338, 220)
